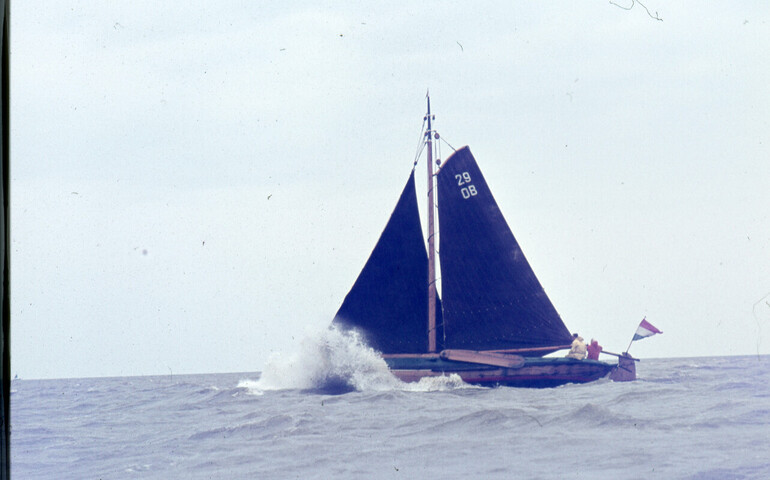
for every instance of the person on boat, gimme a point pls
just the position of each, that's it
(594, 349)
(578, 348)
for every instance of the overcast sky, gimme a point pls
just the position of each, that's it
(196, 185)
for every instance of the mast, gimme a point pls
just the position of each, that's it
(431, 249)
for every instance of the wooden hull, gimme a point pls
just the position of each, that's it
(535, 372)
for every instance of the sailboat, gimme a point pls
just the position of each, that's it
(493, 323)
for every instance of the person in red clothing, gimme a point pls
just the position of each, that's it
(593, 350)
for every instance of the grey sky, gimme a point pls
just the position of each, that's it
(195, 186)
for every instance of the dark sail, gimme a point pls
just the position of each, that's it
(389, 301)
(492, 299)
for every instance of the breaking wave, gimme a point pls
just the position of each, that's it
(333, 361)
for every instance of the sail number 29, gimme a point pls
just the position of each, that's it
(468, 190)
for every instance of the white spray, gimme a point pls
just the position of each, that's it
(335, 361)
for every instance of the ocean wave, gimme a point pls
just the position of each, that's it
(745, 472)
(597, 415)
(262, 429)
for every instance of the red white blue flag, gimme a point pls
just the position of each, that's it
(646, 329)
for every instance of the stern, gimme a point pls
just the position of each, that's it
(626, 369)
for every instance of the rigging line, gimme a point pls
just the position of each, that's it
(417, 157)
(421, 141)
(450, 146)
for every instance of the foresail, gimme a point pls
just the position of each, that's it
(388, 303)
(491, 297)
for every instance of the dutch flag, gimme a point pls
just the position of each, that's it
(646, 329)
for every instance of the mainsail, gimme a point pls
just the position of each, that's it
(388, 303)
(491, 297)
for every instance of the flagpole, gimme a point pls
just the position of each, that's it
(629, 345)
(632, 338)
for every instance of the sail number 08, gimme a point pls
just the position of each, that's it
(465, 179)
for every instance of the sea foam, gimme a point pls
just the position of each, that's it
(334, 361)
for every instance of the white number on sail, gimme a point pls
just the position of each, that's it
(468, 191)
(463, 178)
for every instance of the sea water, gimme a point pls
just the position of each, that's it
(334, 411)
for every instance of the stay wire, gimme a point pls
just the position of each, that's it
(421, 141)
(450, 146)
